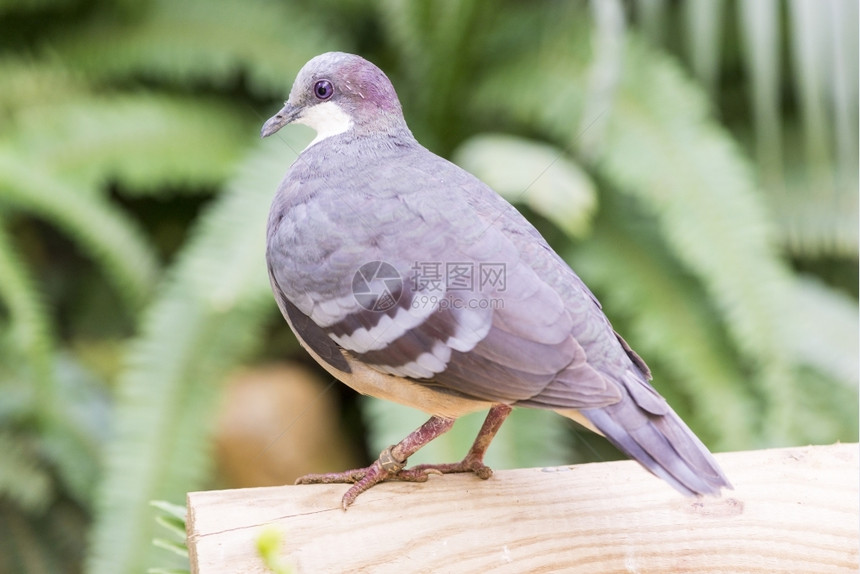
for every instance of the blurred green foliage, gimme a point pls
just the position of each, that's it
(695, 161)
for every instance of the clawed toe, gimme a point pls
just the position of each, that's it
(481, 470)
(347, 476)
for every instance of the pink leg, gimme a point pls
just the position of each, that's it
(474, 459)
(389, 465)
(391, 462)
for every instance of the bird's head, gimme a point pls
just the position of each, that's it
(337, 92)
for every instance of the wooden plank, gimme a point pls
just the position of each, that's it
(792, 510)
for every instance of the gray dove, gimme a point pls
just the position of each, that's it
(410, 280)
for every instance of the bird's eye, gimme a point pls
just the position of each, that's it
(323, 90)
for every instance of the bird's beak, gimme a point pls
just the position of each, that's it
(287, 115)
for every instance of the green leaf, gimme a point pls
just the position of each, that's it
(143, 141)
(816, 219)
(112, 238)
(539, 175)
(28, 335)
(652, 16)
(603, 75)
(25, 79)
(810, 52)
(704, 28)
(174, 525)
(175, 510)
(666, 151)
(760, 35)
(831, 350)
(269, 544)
(177, 548)
(196, 41)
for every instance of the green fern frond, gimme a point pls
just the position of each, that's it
(28, 335)
(547, 98)
(759, 28)
(809, 46)
(830, 409)
(536, 174)
(666, 151)
(172, 511)
(196, 41)
(602, 76)
(703, 21)
(173, 519)
(653, 18)
(44, 388)
(24, 80)
(832, 350)
(207, 317)
(177, 548)
(814, 186)
(111, 237)
(817, 211)
(813, 226)
(143, 141)
(426, 34)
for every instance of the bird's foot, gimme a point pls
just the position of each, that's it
(391, 464)
(468, 464)
(386, 467)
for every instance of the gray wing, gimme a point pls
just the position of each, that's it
(510, 337)
(313, 336)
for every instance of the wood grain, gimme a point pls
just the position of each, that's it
(792, 510)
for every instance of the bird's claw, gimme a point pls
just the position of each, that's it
(333, 477)
(387, 467)
(475, 466)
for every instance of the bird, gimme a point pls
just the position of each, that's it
(409, 279)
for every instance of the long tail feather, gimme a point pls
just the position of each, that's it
(662, 443)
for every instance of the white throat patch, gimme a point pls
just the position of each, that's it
(327, 119)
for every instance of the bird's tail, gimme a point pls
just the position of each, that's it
(659, 440)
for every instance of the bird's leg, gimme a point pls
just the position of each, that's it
(390, 464)
(474, 459)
